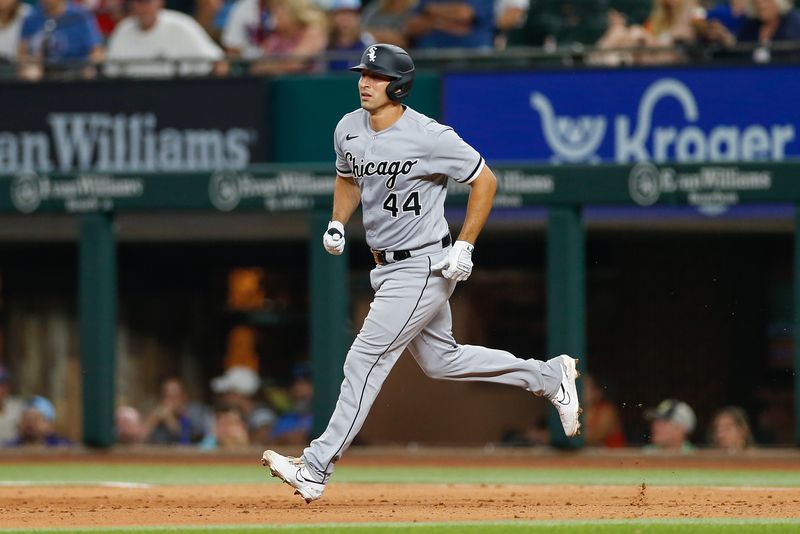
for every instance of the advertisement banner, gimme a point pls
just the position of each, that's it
(133, 126)
(625, 116)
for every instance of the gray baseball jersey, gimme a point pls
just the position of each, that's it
(402, 173)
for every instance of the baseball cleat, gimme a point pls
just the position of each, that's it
(294, 472)
(566, 399)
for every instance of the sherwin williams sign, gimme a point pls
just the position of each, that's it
(624, 116)
(132, 126)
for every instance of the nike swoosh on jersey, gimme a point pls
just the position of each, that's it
(349, 137)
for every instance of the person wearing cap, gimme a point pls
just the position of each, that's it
(37, 425)
(671, 424)
(345, 33)
(10, 408)
(239, 387)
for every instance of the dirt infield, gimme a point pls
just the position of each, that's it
(267, 503)
(28, 507)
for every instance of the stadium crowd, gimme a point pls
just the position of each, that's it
(245, 411)
(158, 38)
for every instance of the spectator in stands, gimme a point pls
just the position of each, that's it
(601, 417)
(618, 37)
(176, 420)
(669, 25)
(298, 34)
(248, 24)
(37, 425)
(294, 427)
(670, 22)
(672, 422)
(346, 34)
(730, 430)
(535, 433)
(12, 13)
(386, 20)
(107, 13)
(452, 24)
(239, 387)
(205, 14)
(769, 21)
(729, 13)
(157, 42)
(10, 408)
(59, 36)
(130, 430)
(230, 429)
(508, 15)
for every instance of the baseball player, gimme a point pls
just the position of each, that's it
(396, 163)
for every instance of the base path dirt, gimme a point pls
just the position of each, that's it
(271, 504)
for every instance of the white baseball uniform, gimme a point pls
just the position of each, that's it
(402, 173)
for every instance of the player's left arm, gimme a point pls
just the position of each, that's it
(458, 263)
(479, 205)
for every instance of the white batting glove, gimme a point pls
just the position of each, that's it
(458, 263)
(333, 238)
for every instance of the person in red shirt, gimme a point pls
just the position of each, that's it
(603, 424)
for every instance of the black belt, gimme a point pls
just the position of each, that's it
(398, 255)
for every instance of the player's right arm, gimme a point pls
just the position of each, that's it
(346, 198)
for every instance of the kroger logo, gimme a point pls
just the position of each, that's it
(577, 139)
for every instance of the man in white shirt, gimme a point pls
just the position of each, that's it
(176, 42)
(248, 24)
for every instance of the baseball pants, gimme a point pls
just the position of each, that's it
(411, 310)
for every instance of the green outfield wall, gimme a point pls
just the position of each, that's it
(305, 111)
(306, 189)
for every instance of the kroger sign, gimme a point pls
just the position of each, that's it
(689, 115)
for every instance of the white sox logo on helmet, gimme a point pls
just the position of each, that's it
(372, 54)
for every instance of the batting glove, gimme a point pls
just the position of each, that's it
(458, 263)
(333, 238)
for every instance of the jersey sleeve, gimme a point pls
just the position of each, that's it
(454, 157)
(342, 166)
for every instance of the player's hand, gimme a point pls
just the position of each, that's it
(458, 263)
(333, 238)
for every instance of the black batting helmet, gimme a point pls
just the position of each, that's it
(391, 61)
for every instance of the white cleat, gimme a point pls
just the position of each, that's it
(566, 399)
(294, 472)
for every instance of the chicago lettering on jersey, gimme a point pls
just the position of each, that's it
(392, 169)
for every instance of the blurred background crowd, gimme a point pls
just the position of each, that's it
(160, 38)
(247, 412)
(243, 411)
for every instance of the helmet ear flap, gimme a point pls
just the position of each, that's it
(397, 90)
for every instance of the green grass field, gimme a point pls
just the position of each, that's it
(161, 474)
(95, 473)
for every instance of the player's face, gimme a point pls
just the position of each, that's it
(372, 90)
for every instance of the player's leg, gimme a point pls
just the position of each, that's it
(407, 297)
(439, 356)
